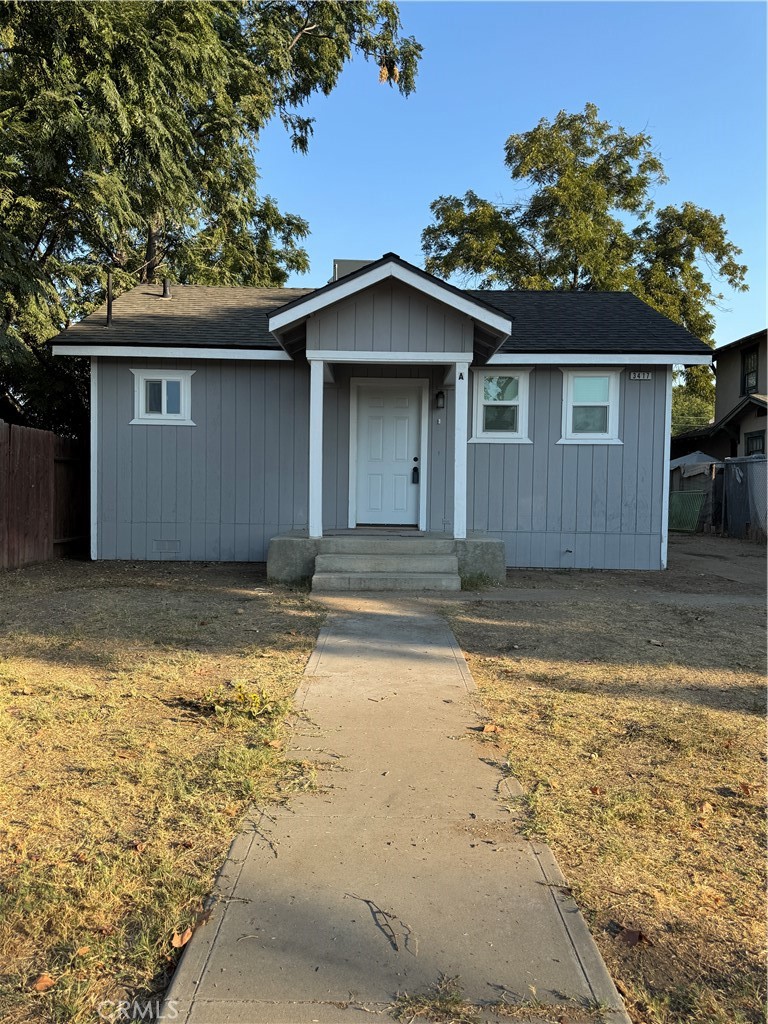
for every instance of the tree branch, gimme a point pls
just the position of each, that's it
(304, 30)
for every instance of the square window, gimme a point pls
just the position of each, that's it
(754, 443)
(590, 419)
(590, 406)
(500, 389)
(163, 398)
(500, 417)
(501, 405)
(591, 389)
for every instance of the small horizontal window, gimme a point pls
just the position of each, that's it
(501, 405)
(590, 406)
(754, 443)
(163, 397)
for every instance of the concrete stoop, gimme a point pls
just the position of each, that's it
(362, 561)
(356, 563)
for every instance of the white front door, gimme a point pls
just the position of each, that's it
(388, 455)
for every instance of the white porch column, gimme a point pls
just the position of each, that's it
(316, 448)
(460, 452)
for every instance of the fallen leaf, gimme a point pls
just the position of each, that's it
(490, 727)
(182, 939)
(43, 983)
(139, 847)
(232, 810)
(656, 643)
(634, 937)
(705, 808)
(81, 857)
(275, 744)
(82, 950)
(746, 789)
(596, 790)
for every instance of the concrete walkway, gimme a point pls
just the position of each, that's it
(403, 869)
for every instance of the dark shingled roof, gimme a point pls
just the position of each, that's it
(749, 339)
(542, 321)
(588, 322)
(195, 315)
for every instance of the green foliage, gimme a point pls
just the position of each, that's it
(127, 140)
(248, 700)
(588, 221)
(693, 400)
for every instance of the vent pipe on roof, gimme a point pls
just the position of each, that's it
(166, 288)
(109, 298)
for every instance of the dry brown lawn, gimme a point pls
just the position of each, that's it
(141, 710)
(637, 732)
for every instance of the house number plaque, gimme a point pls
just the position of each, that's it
(641, 375)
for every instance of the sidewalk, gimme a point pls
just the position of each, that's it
(403, 869)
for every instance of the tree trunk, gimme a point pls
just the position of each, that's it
(151, 257)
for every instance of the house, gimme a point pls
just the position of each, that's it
(386, 417)
(741, 400)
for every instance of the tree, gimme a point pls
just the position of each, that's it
(588, 221)
(690, 410)
(127, 142)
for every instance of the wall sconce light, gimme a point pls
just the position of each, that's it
(440, 400)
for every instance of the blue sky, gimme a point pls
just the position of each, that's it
(692, 75)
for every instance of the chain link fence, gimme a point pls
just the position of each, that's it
(745, 497)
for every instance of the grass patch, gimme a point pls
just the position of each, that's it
(478, 581)
(444, 1003)
(142, 710)
(637, 733)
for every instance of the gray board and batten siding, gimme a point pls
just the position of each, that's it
(576, 506)
(390, 317)
(221, 489)
(217, 491)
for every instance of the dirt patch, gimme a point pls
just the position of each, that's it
(698, 564)
(636, 731)
(141, 710)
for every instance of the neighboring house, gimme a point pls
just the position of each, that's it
(224, 417)
(741, 400)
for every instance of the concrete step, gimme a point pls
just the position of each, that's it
(386, 561)
(331, 582)
(363, 545)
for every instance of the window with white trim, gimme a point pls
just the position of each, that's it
(163, 397)
(590, 406)
(501, 405)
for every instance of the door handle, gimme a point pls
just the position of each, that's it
(415, 475)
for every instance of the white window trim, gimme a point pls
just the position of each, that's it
(482, 436)
(181, 419)
(614, 382)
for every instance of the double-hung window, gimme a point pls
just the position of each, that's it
(749, 371)
(590, 407)
(501, 405)
(162, 397)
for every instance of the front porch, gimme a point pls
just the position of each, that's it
(384, 559)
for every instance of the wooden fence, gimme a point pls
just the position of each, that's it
(43, 496)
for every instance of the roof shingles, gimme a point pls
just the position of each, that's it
(542, 321)
(195, 315)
